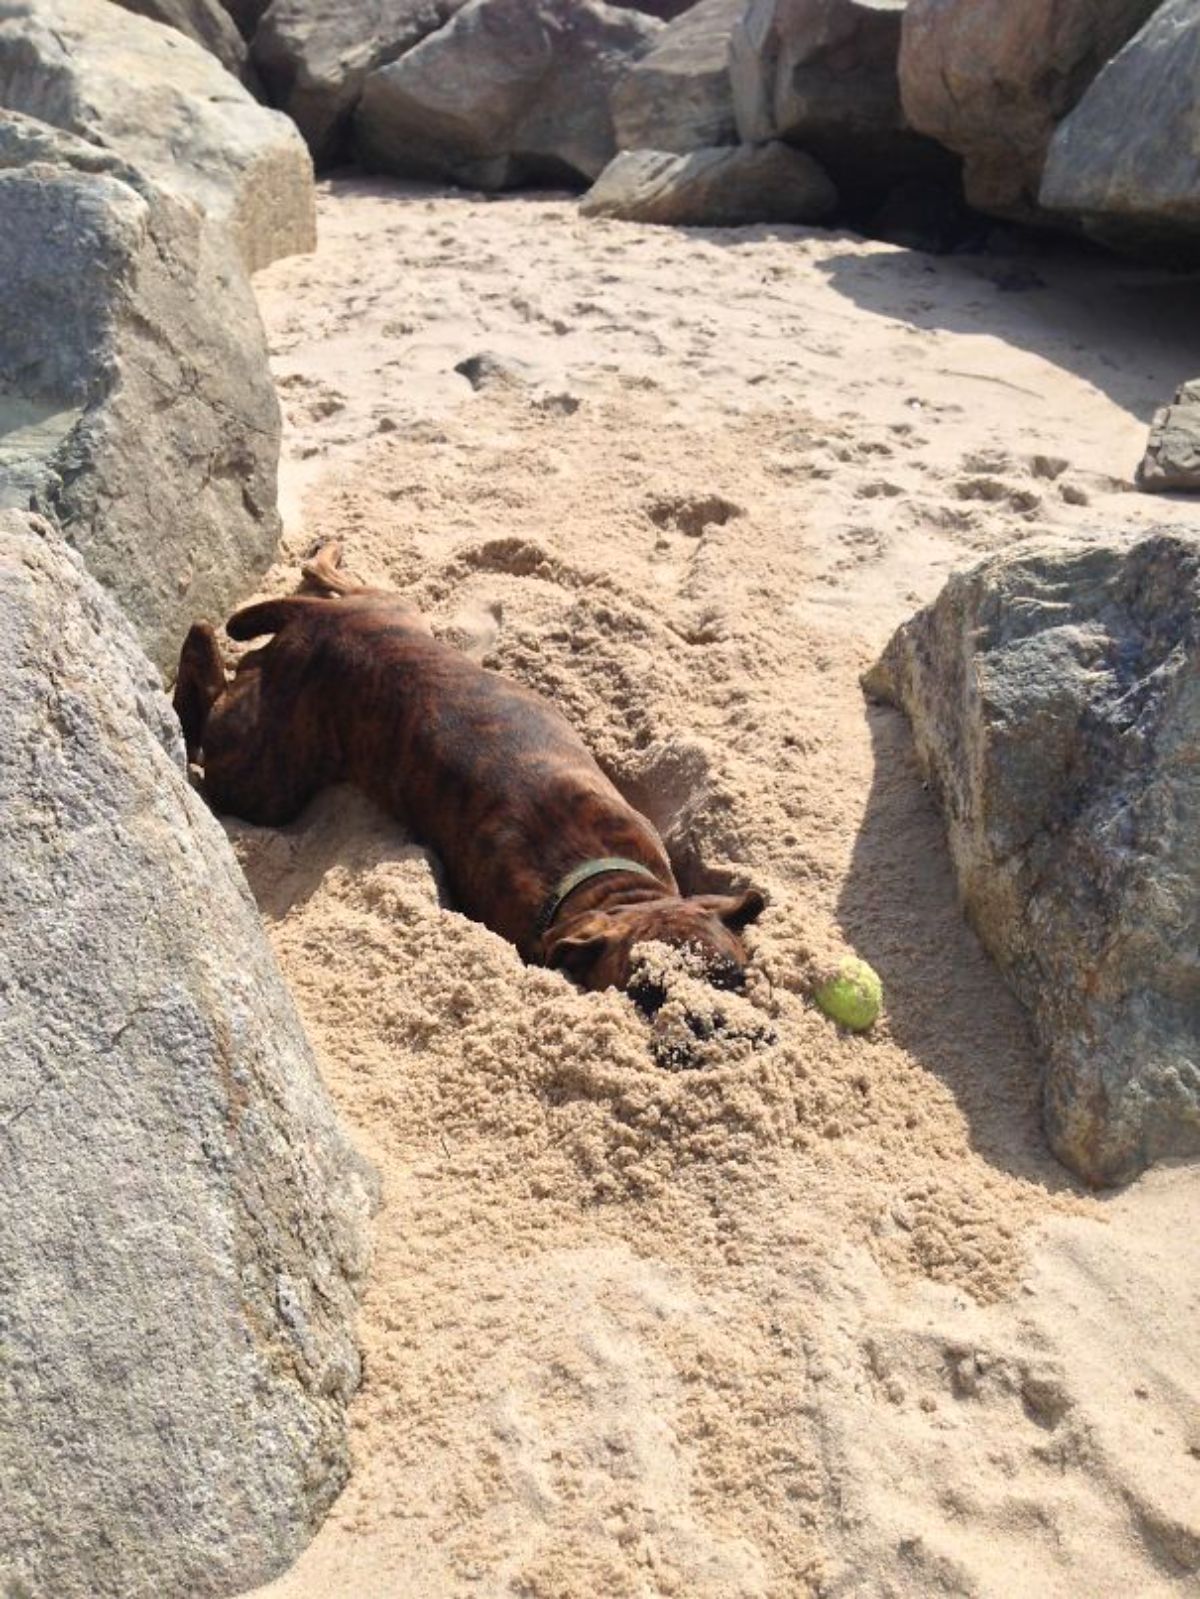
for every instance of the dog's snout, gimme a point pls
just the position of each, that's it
(729, 975)
(647, 995)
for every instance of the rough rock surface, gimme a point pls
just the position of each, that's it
(1172, 459)
(153, 97)
(791, 58)
(822, 74)
(135, 396)
(722, 187)
(1127, 159)
(507, 92)
(182, 1225)
(678, 96)
(1054, 694)
(206, 22)
(991, 79)
(314, 56)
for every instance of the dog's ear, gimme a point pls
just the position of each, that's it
(577, 953)
(735, 910)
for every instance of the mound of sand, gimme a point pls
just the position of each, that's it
(752, 1306)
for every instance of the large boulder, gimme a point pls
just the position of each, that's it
(314, 56)
(991, 79)
(182, 1225)
(822, 74)
(678, 96)
(204, 21)
(136, 402)
(1172, 459)
(167, 106)
(720, 188)
(508, 92)
(1054, 694)
(1127, 159)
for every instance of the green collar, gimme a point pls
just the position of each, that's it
(581, 875)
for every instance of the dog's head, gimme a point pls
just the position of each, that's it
(596, 947)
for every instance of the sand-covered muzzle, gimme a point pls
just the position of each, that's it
(693, 1021)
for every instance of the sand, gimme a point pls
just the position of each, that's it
(799, 1312)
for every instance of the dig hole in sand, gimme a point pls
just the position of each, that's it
(688, 1024)
(673, 781)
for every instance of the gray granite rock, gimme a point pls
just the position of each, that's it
(1172, 459)
(720, 188)
(486, 370)
(136, 402)
(166, 105)
(796, 60)
(508, 92)
(1054, 695)
(1126, 162)
(991, 79)
(182, 1224)
(314, 57)
(678, 95)
(205, 22)
(822, 74)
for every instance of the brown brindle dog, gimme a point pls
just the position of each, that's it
(535, 841)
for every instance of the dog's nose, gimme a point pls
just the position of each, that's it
(729, 975)
(647, 995)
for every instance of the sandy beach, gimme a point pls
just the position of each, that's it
(820, 1314)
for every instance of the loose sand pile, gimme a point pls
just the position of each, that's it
(812, 1313)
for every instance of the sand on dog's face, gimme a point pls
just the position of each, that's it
(775, 1324)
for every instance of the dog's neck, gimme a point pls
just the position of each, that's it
(580, 876)
(601, 884)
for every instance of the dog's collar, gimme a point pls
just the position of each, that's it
(582, 874)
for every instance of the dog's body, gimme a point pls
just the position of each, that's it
(535, 841)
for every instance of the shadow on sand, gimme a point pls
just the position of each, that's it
(339, 829)
(947, 1004)
(1131, 332)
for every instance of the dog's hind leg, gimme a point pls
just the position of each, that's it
(323, 572)
(199, 684)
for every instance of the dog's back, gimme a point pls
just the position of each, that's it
(482, 769)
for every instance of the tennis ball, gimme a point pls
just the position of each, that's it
(853, 996)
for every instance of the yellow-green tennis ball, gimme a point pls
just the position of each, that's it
(853, 996)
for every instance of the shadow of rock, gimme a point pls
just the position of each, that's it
(1132, 332)
(947, 1004)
